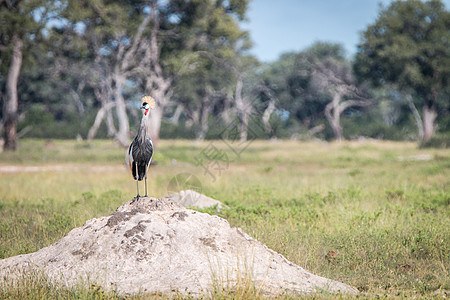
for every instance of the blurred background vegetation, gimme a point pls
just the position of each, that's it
(77, 69)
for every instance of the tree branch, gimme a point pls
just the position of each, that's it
(350, 103)
(136, 42)
(416, 115)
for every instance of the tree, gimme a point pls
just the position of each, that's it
(409, 46)
(148, 44)
(243, 93)
(332, 75)
(157, 83)
(190, 46)
(201, 57)
(264, 94)
(314, 83)
(21, 23)
(112, 42)
(287, 81)
(202, 88)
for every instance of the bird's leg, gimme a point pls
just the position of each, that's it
(145, 182)
(137, 181)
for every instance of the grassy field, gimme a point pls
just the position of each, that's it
(375, 215)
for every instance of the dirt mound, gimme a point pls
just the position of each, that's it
(155, 245)
(191, 198)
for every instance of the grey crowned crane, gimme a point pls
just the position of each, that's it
(140, 152)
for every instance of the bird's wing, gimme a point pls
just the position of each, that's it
(149, 150)
(129, 157)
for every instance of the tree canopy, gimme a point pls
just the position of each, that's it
(80, 67)
(409, 46)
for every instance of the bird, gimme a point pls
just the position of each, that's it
(140, 151)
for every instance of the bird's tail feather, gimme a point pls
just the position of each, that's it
(141, 171)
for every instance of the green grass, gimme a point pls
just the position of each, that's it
(382, 210)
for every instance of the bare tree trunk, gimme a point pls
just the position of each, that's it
(177, 114)
(266, 117)
(429, 127)
(316, 129)
(243, 107)
(227, 111)
(243, 128)
(333, 115)
(194, 118)
(335, 108)
(76, 97)
(416, 117)
(103, 93)
(12, 102)
(123, 135)
(111, 127)
(154, 124)
(98, 120)
(204, 118)
(161, 97)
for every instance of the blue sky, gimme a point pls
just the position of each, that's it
(278, 26)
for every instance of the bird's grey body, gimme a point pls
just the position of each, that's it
(140, 151)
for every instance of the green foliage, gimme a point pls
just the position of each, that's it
(304, 83)
(369, 123)
(287, 79)
(409, 46)
(25, 20)
(202, 54)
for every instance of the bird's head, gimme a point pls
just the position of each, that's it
(147, 104)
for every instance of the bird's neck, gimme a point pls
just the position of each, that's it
(143, 129)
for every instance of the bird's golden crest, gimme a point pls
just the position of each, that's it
(151, 102)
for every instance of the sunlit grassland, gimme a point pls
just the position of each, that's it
(383, 208)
